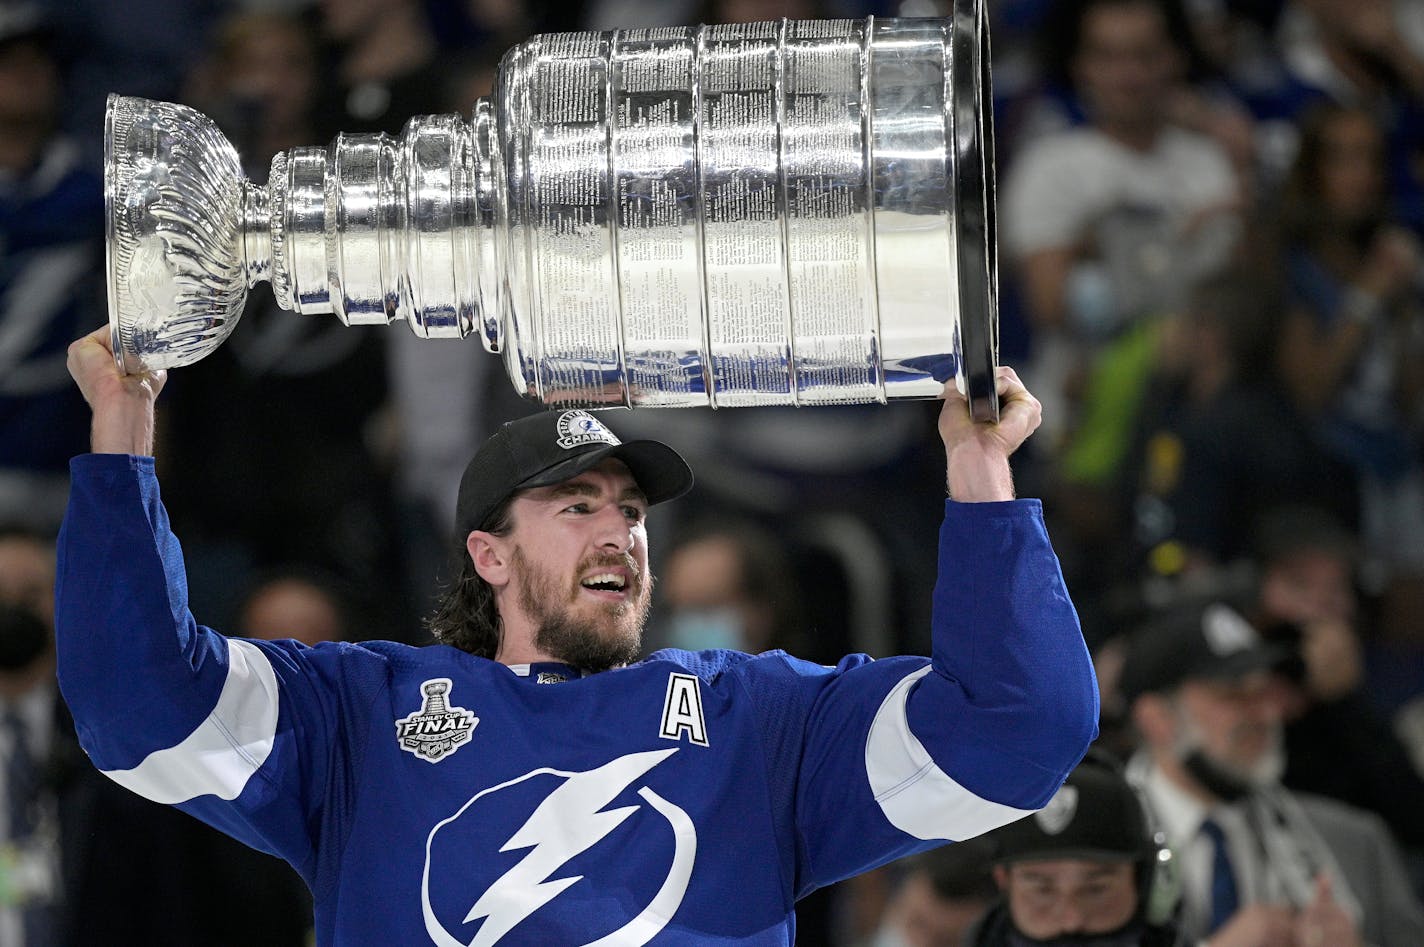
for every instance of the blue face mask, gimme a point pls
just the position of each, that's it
(705, 629)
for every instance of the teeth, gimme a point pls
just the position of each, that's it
(608, 579)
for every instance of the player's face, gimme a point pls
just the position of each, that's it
(1236, 724)
(581, 566)
(1050, 899)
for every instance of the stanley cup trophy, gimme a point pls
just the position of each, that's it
(790, 213)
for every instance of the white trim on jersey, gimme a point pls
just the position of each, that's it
(227, 748)
(914, 793)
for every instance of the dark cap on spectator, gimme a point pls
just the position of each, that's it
(1095, 816)
(1202, 642)
(1284, 531)
(552, 447)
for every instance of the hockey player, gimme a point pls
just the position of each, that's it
(526, 781)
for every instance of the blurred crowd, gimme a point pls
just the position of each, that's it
(1210, 216)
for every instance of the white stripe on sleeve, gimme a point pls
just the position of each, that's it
(227, 748)
(915, 794)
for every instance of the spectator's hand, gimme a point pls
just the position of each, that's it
(1392, 265)
(1324, 922)
(1333, 664)
(122, 404)
(977, 453)
(1258, 925)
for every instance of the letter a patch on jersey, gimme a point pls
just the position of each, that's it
(437, 729)
(682, 710)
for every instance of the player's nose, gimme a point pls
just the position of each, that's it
(612, 530)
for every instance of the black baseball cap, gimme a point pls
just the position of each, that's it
(1096, 816)
(554, 446)
(1202, 642)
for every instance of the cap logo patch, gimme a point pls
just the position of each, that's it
(1226, 631)
(577, 428)
(1058, 814)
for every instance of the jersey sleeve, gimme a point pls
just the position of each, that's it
(879, 759)
(243, 734)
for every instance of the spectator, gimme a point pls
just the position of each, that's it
(1367, 54)
(284, 419)
(31, 897)
(86, 862)
(1261, 864)
(51, 249)
(139, 47)
(1114, 221)
(260, 84)
(383, 64)
(730, 585)
(1231, 442)
(1351, 349)
(295, 603)
(1336, 743)
(1091, 867)
(939, 897)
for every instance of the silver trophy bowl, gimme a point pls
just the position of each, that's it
(787, 213)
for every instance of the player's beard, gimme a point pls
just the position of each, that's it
(610, 637)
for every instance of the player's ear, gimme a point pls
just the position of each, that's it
(1001, 877)
(490, 555)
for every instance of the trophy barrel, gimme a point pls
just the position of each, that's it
(793, 212)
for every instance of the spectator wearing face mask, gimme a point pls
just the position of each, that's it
(730, 584)
(1089, 870)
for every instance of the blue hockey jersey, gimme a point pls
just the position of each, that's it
(431, 797)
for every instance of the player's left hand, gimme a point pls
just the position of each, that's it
(1019, 416)
(977, 452)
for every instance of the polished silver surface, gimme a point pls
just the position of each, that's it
(793, 212)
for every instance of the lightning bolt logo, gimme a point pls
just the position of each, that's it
(570, 820)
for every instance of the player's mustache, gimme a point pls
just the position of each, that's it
(625, 561)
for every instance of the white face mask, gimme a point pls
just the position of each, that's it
(703, 629)
(888, 936)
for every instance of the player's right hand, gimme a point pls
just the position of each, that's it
(122, 404)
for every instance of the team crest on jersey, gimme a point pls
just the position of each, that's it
(1056, 816)
(500, 866)
(579, 427)
(549, 677)
(438, 728)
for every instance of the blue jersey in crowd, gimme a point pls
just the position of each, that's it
(51, 251)
(431, 797)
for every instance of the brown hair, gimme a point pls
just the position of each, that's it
(466, 617)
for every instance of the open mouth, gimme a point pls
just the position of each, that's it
(606, 583)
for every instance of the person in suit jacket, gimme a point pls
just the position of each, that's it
(1261, 865)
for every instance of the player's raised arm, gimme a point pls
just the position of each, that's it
(164, 706)
(1011, 703)
(988, 729)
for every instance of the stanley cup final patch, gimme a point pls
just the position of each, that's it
(437, 729)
